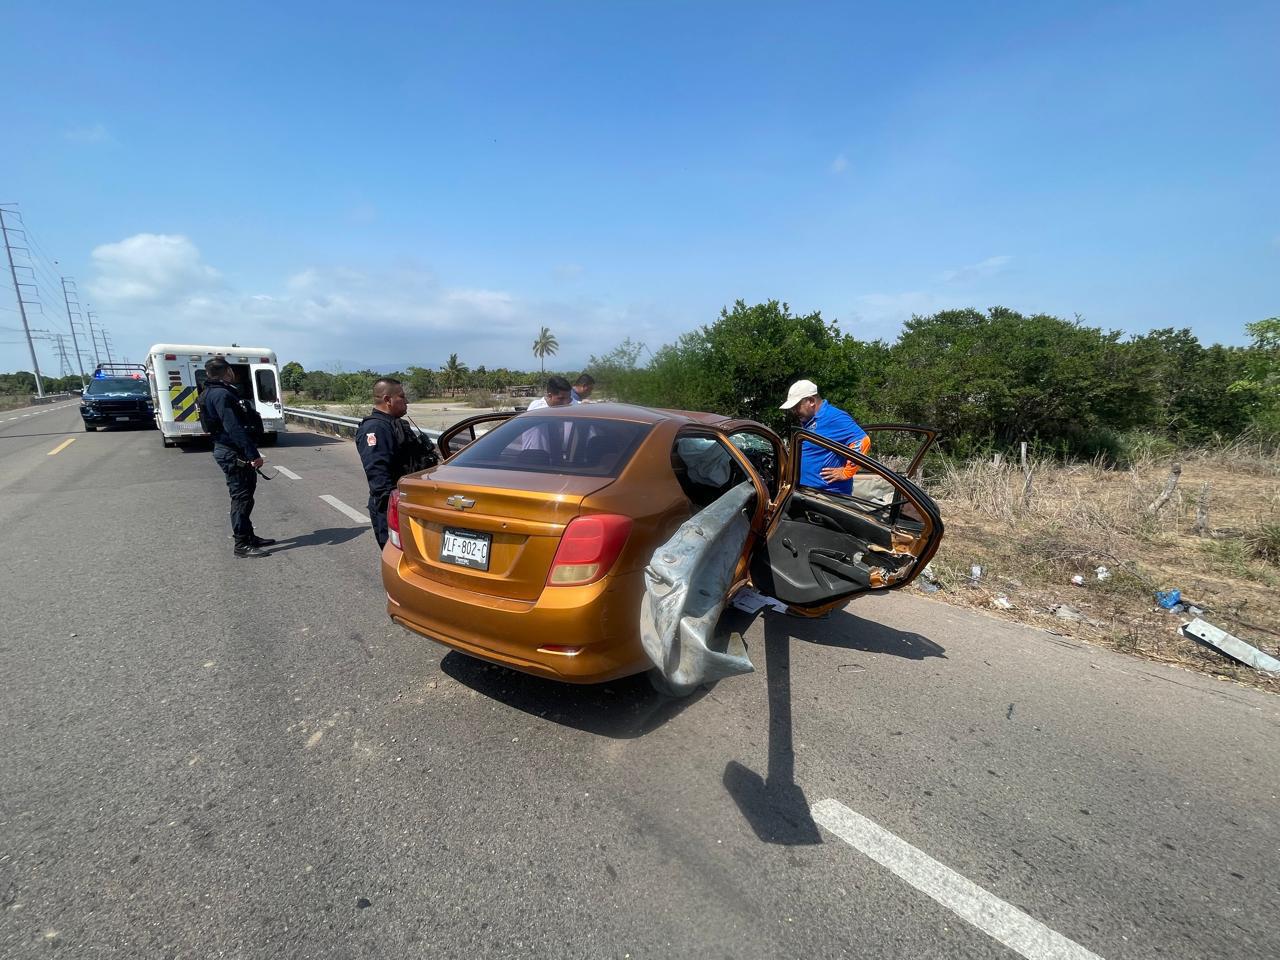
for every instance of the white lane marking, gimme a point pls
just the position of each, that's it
(993, 916)
(288, 473)
(341, 507)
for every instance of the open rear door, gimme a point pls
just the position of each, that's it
(464, 431)
(823, 549)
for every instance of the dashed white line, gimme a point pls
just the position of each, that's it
(993, 916)
(288, 473)
(341, 507)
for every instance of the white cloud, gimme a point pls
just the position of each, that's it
(840, 164)
(148, 268)
(92, 133)
(976, 271)
(153, 288)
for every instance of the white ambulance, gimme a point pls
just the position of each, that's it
(176, 374)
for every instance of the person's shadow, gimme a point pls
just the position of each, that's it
(621, 709)
(328, 537)
(774, 805)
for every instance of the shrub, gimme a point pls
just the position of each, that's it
(1263, 542)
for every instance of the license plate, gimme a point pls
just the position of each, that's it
(123, 419)
(466, 548)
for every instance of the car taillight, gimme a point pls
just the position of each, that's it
(393, 519)
(588, 549)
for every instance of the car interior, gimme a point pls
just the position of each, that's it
(826, 545)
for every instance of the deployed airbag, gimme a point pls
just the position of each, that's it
(686, 588)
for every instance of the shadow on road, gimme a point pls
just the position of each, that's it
(843, 629)
(328, 537)
(302, 438)
(622, 709)
(28, 436)
(774, 805)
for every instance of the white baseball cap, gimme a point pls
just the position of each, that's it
(799, 390)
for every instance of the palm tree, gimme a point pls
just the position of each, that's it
(544, 345)
(452, 372)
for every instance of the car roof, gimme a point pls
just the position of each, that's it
(637, 414)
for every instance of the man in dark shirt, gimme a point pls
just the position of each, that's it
(388, 450)
(223, 415)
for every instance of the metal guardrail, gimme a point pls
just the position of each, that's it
(343, 426)
(50, 398)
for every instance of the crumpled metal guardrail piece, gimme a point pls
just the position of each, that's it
(686, 589)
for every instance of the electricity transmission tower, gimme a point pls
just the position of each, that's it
(70, 296)
(5, 229)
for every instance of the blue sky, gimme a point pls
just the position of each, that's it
(391, 183)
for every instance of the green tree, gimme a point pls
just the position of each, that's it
(453, 374)
(743, 363)
(422, 382)
(546, 345)
(320, 385)
(1260, 384)
(292, 377)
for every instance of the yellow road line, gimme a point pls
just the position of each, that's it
(60, 447)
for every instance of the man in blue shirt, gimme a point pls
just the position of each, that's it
(821, 468)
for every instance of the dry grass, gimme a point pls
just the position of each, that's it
(1071, 520)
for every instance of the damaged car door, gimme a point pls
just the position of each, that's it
(822, 549)
(464, 432)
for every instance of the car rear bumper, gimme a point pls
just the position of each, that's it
(603, 618)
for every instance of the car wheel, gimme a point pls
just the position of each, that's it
(268, 439)
(89, 429)
(167, 442)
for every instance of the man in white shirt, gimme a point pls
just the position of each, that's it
(559, 394)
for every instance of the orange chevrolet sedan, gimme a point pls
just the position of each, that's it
(528, 545)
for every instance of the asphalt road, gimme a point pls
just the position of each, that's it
(205, 756)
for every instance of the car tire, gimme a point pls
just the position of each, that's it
(89, 429)
(167, 442)
(269, 439)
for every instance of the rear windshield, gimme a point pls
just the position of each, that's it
(584, 447)
(117, 387)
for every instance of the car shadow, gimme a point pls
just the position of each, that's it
(328, 537)
(851, 632)
(621, 709)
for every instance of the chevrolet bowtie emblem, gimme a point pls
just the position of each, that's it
(459, 502)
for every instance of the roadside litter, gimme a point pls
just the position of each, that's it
(1002, 602)
(1069, 613)
(1078, 580)
(1102, 573)
(1232, 646)
(1168, 598)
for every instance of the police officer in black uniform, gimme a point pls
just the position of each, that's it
(389, 449)
(224, 415)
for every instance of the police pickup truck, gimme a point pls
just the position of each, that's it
(117, 395)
